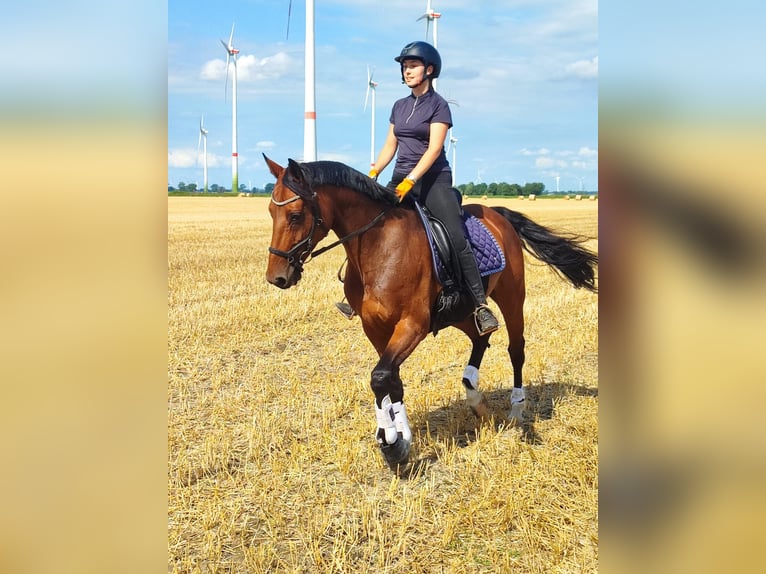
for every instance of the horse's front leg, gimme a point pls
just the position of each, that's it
(394, 435)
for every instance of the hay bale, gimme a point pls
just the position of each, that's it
(578, 197)
(532, 197)
(484, 198)
(593, 198)
(566, 197)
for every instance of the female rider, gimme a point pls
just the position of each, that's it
(416, 135)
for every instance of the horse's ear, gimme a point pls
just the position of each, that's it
(297, 174)
(275, 169)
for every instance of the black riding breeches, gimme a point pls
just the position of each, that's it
(436, 193)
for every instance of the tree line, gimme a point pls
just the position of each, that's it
(467, 189)
(215, 188)
(501, 189)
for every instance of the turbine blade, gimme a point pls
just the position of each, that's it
(289, 12)
(366, 95)
(231, 36)
(423, 16)
(225, 47)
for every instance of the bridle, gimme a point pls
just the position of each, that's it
(304, 249)
(301, 251)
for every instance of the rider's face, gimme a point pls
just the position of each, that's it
(414, 72)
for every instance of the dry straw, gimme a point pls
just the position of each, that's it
(272, 464)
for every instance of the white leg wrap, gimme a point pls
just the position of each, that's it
(517, 404)
(401, 421)
(471, 374)
(386, 419)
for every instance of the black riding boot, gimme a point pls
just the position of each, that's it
(482, 315)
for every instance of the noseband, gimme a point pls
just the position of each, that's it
(301, 251)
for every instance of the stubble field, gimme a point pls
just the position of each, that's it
(272, 462)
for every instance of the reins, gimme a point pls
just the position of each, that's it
(310, 253)
(350, 236)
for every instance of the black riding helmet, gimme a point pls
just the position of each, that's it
(424, 52)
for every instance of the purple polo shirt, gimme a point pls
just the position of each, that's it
(412, 118)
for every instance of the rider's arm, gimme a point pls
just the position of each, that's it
(387, 152)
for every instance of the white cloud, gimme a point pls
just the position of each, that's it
(250, 68)
(541, 151)
(585, 69)
(189, 157)
(548, 162)
(265, 145)
(587, 152)
(182, 158)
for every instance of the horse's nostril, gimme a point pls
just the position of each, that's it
(280, 282)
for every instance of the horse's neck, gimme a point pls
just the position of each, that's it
(349, 210)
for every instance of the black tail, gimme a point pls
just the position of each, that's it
(565, 254)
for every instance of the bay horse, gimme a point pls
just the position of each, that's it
(390, 280)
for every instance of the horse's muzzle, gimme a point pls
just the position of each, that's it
(284, 279)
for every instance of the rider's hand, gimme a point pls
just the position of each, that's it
(404, 188)
(373, 174)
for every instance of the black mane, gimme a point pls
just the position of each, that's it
(340, 175)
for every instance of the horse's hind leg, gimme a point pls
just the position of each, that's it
(473, 396)
(514, 323)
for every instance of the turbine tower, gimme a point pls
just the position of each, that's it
(431, 16)
(558, 177)
(202, 139)
(309, 114)
(453, 144)
(371, 88)
(231, 53)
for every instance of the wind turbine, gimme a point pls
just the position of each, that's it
(431, 16)
(371, 88)
(203, 138)
(558, 177)
(309, 114)
(231, 53)
(453, 144)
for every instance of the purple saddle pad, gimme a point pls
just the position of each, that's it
(489, 256)
(486, 250)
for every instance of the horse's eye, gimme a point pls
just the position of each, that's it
(295, 217)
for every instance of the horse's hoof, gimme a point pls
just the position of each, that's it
(480, 410)
(477, 402)
(396, 454)
(516, 414)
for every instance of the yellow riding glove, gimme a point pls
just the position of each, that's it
(373, 173)
(404, 188)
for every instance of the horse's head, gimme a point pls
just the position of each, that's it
(297, 223)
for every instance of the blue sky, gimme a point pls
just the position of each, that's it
(523, 75)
